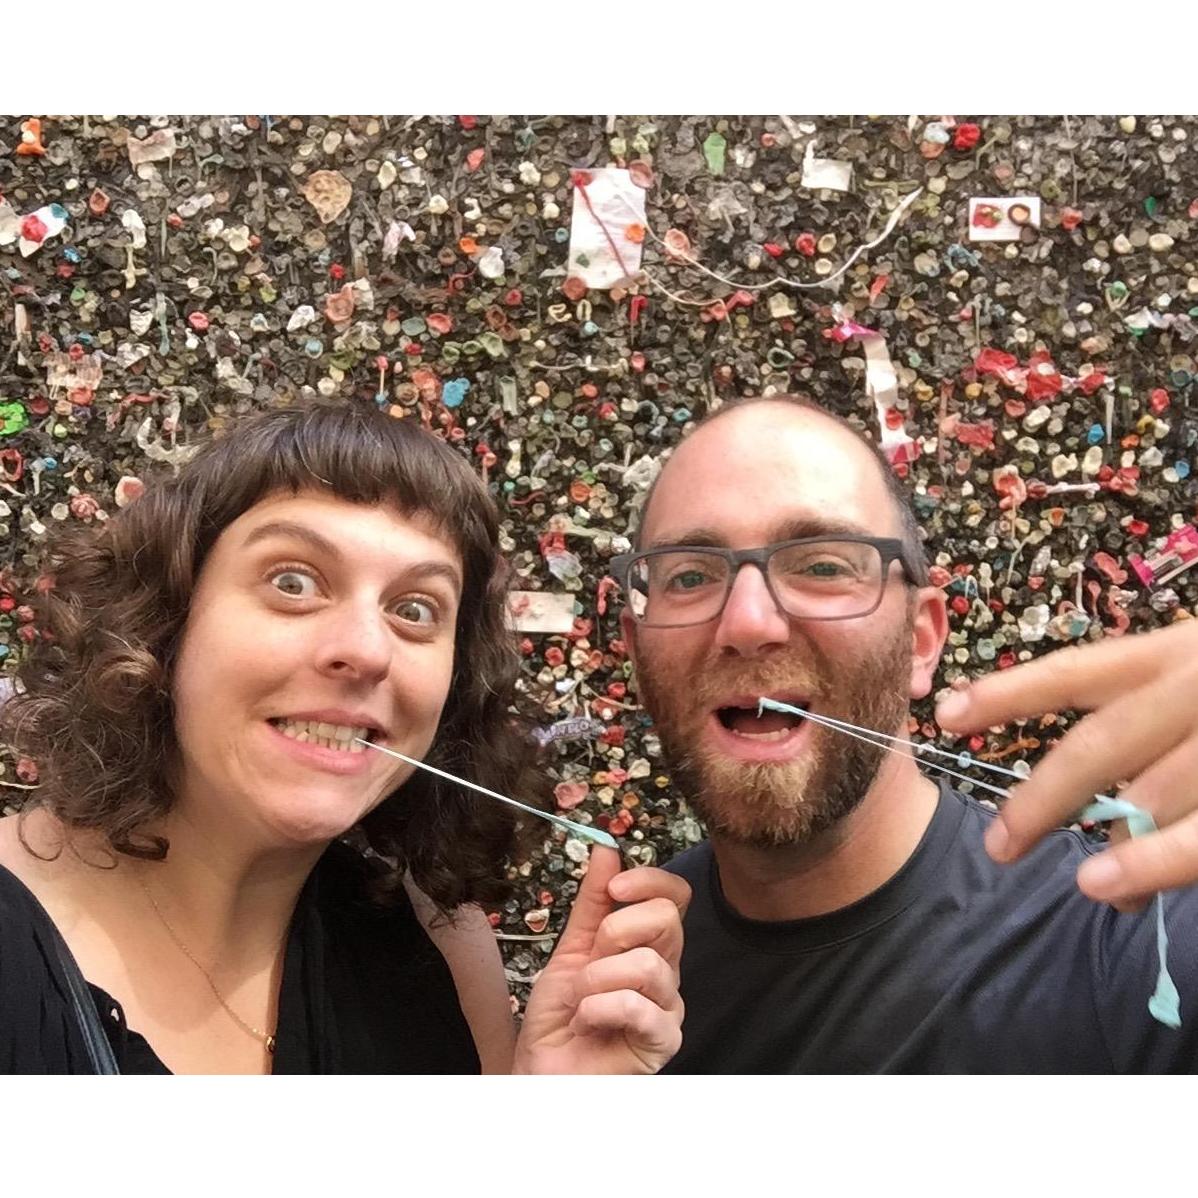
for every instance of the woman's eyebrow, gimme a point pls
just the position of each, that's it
(438, 570)
(299, 532)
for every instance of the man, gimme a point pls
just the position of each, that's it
(847, 916)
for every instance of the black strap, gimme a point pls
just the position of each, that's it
(95, 1040)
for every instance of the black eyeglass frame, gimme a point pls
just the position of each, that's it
(891, 549)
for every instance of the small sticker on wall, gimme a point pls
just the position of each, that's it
(1002, 218)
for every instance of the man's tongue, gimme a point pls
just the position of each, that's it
(747, 722)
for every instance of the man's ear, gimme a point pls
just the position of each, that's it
(628, 631)
(929, 631)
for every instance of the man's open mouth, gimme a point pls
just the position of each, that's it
(763, 727)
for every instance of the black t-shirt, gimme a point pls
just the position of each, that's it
(956, 965)
(364, 990)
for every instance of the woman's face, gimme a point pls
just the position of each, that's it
(314, 621)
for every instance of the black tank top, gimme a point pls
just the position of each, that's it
(364, 989)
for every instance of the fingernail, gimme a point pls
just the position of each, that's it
(998, 841)
(617, 887)
(952, 706)
(1102, 872)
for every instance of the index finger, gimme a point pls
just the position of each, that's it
(1080, 676)
(593, 904)
(648, 882)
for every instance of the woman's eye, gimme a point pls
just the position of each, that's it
(417, 611)
(295, 584)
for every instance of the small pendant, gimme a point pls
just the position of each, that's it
(270, 1044)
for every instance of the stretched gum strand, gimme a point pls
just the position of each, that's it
(1165, 1004)
(594, 835)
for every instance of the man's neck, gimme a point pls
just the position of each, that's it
(863, 852)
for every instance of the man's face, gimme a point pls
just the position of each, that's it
(768, 473)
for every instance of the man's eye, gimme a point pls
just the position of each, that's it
(417, 611)
(295, 584)
(816, 567)
(687, 580)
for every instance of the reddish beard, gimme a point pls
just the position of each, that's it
(769, 804)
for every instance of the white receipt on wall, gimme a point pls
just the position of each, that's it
(827, 174)
(619, 203)
(881, 382)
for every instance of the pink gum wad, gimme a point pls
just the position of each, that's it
(1179, 552)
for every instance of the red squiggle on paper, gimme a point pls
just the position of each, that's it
(580, 179)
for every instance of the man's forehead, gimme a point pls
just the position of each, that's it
(778, 432)
(775, 462)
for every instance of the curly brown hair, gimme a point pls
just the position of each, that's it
(93, 706)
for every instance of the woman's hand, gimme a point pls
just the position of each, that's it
(608, 1000)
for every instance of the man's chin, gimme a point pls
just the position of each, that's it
(768, 805)
(764, 837)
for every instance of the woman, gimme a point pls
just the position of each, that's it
(237, 879)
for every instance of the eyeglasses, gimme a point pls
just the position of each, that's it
(816, 578)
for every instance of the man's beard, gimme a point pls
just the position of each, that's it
(770, 804)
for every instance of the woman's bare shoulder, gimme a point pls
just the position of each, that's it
(20, 854)
(34, 848)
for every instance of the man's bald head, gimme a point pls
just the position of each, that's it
(800, 405)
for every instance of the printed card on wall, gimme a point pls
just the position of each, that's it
(1002, 218)
(607, 227)
(540, 611)
(66, 371)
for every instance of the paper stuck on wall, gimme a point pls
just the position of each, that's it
(607, 227)
(1002, 218)
(63, 371)
(540, 611)
(881, 383)
(828, 174)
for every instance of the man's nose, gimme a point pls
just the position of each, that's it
(751, 621)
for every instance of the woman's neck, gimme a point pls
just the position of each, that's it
(234, 900)
(228, 902)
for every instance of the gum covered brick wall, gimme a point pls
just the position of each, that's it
(1020, 340)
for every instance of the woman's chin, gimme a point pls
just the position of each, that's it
(310, 821)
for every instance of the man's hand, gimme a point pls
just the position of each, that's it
(608, 1001)
(1142, 692)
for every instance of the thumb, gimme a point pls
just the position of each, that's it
(593, 904)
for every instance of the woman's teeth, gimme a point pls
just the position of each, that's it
(341, 737)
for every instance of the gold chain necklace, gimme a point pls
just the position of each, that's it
(267, 1038)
